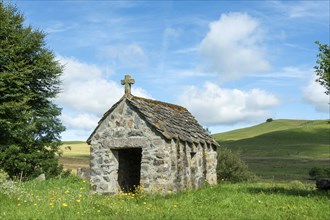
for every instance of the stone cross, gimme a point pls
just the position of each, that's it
(127, 81)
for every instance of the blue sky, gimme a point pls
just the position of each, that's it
(231, 63)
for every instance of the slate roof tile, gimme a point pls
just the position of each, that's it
(172, 121)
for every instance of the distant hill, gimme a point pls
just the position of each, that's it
(281, 149)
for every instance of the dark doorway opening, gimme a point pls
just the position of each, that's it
(129, 168)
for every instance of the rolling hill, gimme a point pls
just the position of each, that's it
(282, 149)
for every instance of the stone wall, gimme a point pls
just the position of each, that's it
(166, 165)
(193, 165)
(123, 129)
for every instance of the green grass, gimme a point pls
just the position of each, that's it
(267, 127)
(75, 149)
(70, 198)
(75, 154)
(281, 149)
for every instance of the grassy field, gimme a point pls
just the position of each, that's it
(70, 198)
(281, 150)
(75, 154)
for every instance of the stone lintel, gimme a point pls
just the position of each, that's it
(132, 142)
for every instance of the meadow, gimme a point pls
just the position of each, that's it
(281, 150)
(75, 154)
(70, 198)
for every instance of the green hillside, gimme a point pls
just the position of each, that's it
(281, 149)
(75, 154)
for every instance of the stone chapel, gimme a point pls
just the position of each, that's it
(157, 146)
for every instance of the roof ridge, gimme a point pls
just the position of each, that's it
(178, 107)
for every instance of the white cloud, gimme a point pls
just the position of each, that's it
(232, 46)
(75, 70)
(86, 95)
(303, 9)
(287, 72)
(213, 105)
(86, 121)
(85, 89)
(56, 26)
(314, 94)
(131, 55)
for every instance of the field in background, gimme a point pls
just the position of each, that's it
(75, 154)
(281, 150)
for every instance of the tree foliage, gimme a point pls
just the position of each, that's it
(29, 80)
(231, 168)
(319, 172)
(322, 68)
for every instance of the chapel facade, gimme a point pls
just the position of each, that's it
(157, 146)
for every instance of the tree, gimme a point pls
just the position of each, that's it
(29, 81)
(322, 68)
(231, 168)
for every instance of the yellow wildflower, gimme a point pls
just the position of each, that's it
(64, 205)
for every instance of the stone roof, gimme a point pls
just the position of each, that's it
(172, 121)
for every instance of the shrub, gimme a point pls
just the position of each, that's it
(231, 168)
(29, 164)
(318, 172)
(3, 176)
(296, 184)
(269, 120)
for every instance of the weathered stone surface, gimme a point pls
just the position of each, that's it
(99, 160)
(106, 178)
(104, 186)
(158, 162)
(96, 172)
(165, 165)
(135, 132)
(84, 173)
(41, 177)
(119, 133)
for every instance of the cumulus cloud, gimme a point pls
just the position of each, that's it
(314, 94)
(232, 46)
(86, 121)
(85, 89)
(213, 105)
(86, 95)
(131, 55)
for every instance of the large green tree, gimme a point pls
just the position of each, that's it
(29, 81)
(322, 68)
